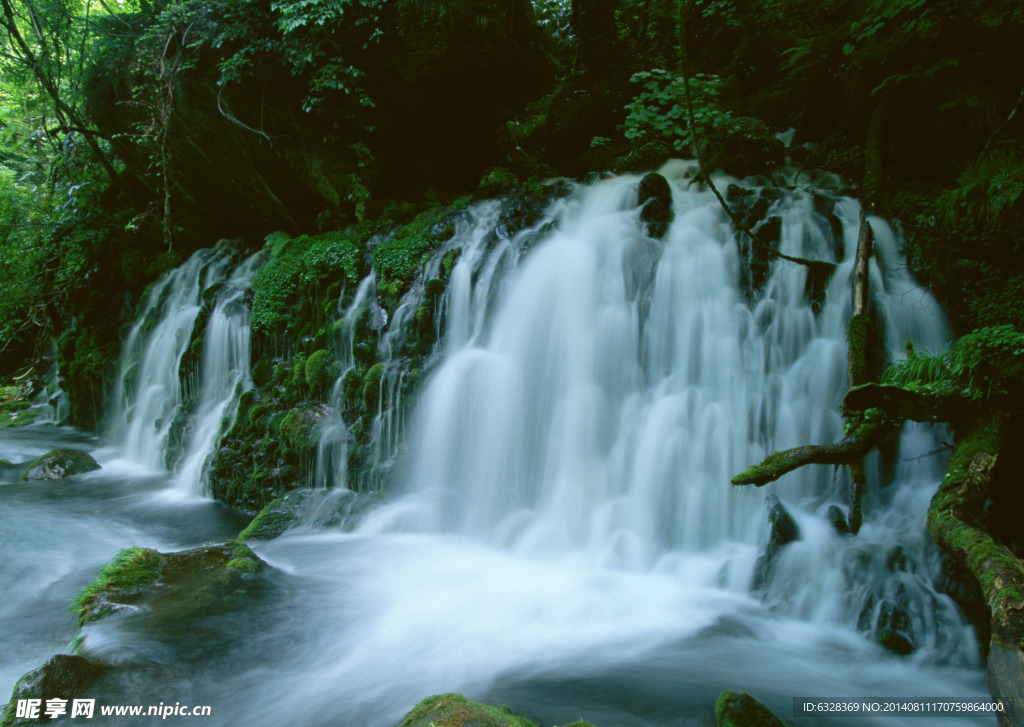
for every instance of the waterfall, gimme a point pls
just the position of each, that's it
(595, 391)
(332, 446)
(149, 382)
(225, 372)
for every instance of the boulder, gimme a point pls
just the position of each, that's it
(60, 463)
(455, 710)
(784, 531)
(62, 677)
(735, 709)
(655, 198)
(208, 579)
(320, 508)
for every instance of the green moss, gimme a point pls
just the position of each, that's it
(733, 709)
(317, 372)
(858, 341)
(267, 524)
(296, 267)
(455, 710)
(371, 385)
(296, 431)
(131, 570)
(954, 521)
(244, 560)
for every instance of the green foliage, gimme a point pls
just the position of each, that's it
(974, 366)
(298, 265)
(398, 258)
(659, 110)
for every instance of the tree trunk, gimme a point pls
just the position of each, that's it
(955, 521)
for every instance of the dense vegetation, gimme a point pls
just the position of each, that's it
(344, 135)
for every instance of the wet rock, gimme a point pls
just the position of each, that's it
(838, 519)
(15, 408)
(455, 710)
(317, 508)
(736, 709)
(62, 677)
(784, 531)
(211, 578)
(893, 625)
(60, 463)
(655, 198)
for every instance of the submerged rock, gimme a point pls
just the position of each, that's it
(655, 198)
(60, 463)
(784, 531)
(455, 710)
(736, 709)
(62, 677)
(212, 577)
(319, 508)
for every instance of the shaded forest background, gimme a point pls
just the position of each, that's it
(136, 132)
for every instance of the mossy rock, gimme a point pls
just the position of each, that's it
(58, 464)
(455, 710)
(271, 521)
(371, 385)
(735, 709)
(210, 578)
(323, 508)
(317, 372)
(14, 410)
(62, 677)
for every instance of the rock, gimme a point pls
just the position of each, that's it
(321, 508)
(62, 677)
(60, 463)
(210, 578)
(15, 411)
(741, 710)
(838, 519)
(455, 710)
(655, 198)
(784, 531)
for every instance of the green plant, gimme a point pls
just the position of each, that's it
(659, 110)
(974, 366)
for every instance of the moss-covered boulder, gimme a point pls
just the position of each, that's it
(211, 578)
(455, 710)
(62, 677)
(735, 709)
(318, 508)
(15, 411)
(60, 463)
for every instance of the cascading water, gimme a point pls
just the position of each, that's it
(225, 372)
(149, 388)
(599, 410)
(567, 541)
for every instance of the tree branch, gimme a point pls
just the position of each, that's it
(845, 451)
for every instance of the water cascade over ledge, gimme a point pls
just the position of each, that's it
(560, 532)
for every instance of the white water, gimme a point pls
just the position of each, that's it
(568, 542)
(226, 373)
(149, 390)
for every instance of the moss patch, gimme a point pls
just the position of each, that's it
(735, 709)
(128, 573)
(455, 710)
(269, 523)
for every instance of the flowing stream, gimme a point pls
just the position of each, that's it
(563, 538)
